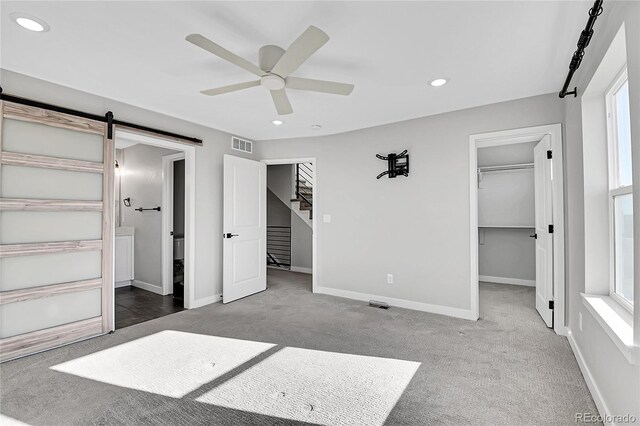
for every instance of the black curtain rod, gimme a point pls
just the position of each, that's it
(583, 42)
(107, 118)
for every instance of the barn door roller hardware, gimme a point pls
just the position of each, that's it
(397, 164)
(583, 41)
(107, 118)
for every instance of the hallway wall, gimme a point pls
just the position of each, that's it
(141, 180)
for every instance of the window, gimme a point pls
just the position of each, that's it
(620, 190)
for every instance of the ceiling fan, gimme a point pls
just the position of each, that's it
(275, 67)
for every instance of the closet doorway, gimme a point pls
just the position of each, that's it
(517, 223)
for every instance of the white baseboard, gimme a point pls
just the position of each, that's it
(126, 283)
(206, 301)
(588, 378)
(146, 286)
(400, 303)
(301, 269)
(503, 280)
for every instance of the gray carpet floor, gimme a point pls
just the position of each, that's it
(505, 369)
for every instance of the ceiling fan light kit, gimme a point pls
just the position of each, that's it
(274, 67)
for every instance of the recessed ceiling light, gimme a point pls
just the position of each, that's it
(29, 22)
(316, 127)
(277, 122)
(438, 82)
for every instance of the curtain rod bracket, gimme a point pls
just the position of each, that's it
(574, 92)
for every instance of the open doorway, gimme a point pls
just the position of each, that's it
(151, 228)
(290, 220)
(517, 223)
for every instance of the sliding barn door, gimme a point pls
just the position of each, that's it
(56, 235)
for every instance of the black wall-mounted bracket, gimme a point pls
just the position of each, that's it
(397, 164)
(109, 119)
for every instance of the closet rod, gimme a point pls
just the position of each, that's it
(507, 167)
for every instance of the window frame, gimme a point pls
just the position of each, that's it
(614, 188)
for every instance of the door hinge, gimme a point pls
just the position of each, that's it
(549, 154)
(550, 304)
(551, 229)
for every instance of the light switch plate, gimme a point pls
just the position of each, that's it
(326, 218)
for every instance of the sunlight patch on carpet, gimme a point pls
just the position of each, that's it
(318, 387)
(10, 421)
(169, 363)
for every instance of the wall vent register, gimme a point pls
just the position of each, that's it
(241, 144)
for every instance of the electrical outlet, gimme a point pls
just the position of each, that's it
(389, 278)
(580, 320)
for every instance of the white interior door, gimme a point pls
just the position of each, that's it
(245, 228)
(544, 238)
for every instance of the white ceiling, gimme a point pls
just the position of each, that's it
(135, 52)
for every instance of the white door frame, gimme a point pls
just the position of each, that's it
(167, 220)
(314, 208)
(513, 136)
(189, 152)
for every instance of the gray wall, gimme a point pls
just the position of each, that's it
(278, 214)
(417, 227)
(507, 253)
(208, 167)
(141, 180)
(617, 381)
(178, 198)
(301, 243)
(280, 181)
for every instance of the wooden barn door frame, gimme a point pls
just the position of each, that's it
(40, 340)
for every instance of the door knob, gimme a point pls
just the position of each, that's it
(534, 236)
(229, 235)
(171, 233)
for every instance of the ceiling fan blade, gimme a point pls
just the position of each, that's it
(206, 44)
(280, 99)
(304, 46)
(230, 88)
(332, 87)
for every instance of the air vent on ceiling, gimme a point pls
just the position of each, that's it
(241, 144)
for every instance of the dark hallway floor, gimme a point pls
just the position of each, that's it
(135, 305)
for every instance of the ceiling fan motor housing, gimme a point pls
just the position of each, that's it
(268, 57)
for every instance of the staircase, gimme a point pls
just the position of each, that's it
(297, 182)
(304, 189)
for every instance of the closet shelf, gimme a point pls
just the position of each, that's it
(505, 167)
(508, 226)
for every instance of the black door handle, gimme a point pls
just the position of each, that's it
(229, 235)
(534, 236)
(171, 233)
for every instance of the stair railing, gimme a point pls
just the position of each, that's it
(304, 183)
(279, 246)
